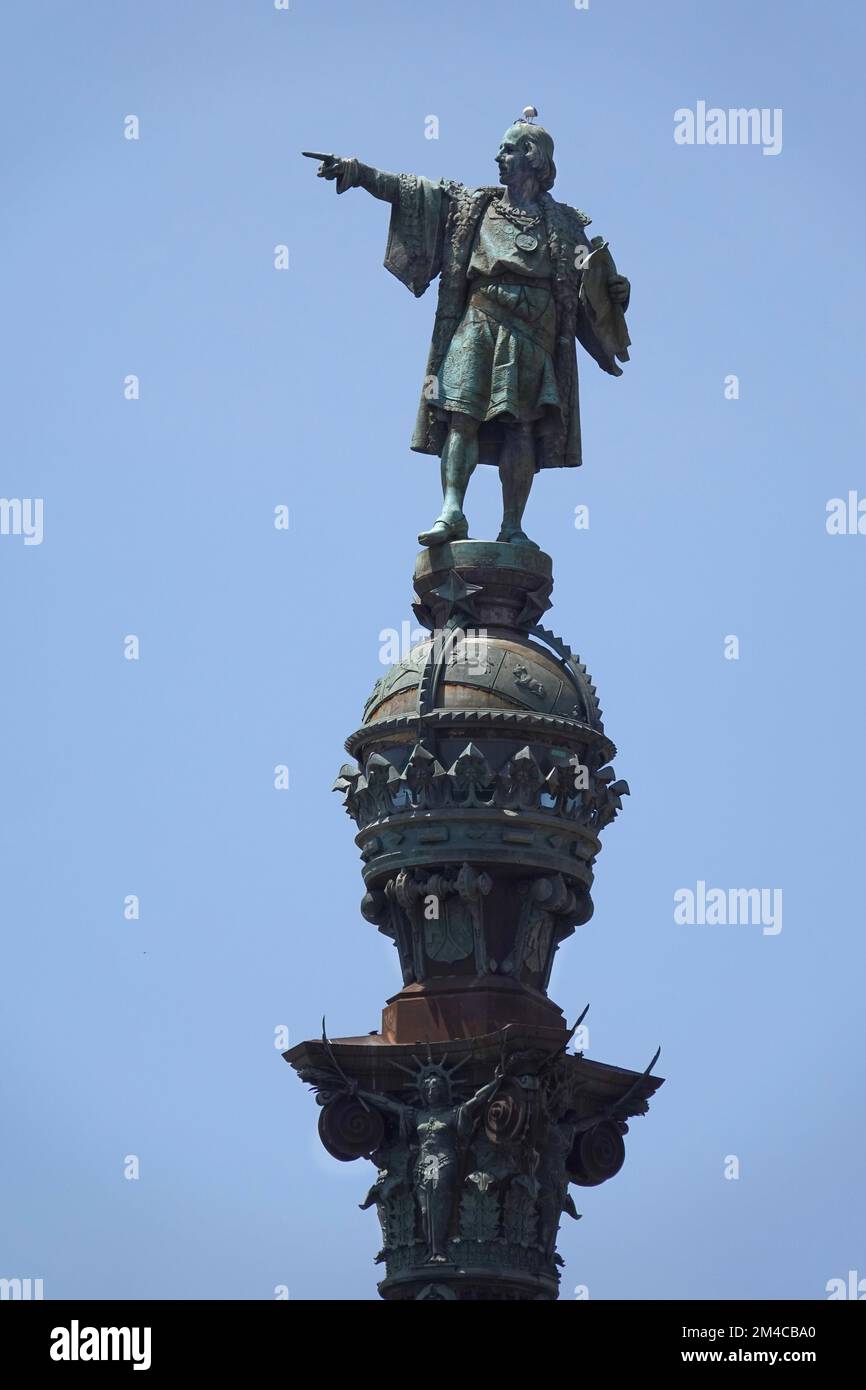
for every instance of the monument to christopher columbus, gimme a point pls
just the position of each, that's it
(481, 775)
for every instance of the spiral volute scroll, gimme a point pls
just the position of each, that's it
(350, 1130)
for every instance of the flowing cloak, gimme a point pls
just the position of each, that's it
(432, 232)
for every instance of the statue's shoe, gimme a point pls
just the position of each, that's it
(442, 531)
(514, 536)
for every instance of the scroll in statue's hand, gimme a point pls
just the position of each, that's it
(605, 294)
(618, 289)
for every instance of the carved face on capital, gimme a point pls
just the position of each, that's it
(435, 1092)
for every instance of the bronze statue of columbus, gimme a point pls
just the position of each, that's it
(519, 282)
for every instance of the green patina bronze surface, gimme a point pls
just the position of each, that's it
(519, 284)
(480, 778)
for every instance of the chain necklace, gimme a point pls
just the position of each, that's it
(523, 222)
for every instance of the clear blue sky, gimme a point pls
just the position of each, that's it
(258, 647)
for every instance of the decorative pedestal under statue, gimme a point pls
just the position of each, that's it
(480, 788)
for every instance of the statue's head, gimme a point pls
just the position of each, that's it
(527, 148)
(435, 1091)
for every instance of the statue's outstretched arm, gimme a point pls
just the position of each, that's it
(392, 1107)
(351, 173)
(475, 1103)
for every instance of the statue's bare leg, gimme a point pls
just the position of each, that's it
(459, 459)
(516, 472)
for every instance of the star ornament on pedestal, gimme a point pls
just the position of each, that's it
(457, 594)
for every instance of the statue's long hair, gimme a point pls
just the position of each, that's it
(538, 146)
